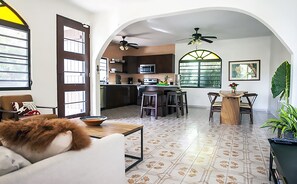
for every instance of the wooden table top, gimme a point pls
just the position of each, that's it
(237, 94)
(107, 128)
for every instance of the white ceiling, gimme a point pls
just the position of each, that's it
(175, 29)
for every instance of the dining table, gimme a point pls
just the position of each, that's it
(230, 111)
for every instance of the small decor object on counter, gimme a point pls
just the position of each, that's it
(93, 120)
(233, 86)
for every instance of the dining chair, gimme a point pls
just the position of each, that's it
(247, 106)
(215, 106)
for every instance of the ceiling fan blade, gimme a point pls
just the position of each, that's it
(206, 40)
(132, 46)
(183, 39)
(190, 42)
(209, 37)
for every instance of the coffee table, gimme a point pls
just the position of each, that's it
(107, 128)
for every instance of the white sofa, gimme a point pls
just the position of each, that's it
(103, 163)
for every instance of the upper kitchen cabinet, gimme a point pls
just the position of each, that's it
(131, 65)
(164, 63)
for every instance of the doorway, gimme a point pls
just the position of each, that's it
(73, 68)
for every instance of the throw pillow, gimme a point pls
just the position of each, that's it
(11, 161)
(36, 135)
(25, 108)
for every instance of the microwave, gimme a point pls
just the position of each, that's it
(147, 68)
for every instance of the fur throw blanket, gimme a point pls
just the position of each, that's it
(37, 134)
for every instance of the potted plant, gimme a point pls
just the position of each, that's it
(280, 85)
(286, 123)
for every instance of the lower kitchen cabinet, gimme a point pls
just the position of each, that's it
(120, 95)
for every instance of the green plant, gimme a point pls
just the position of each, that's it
(287, 121)
(280, 84)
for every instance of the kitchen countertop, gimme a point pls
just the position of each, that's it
(169, 86)
(118, 84)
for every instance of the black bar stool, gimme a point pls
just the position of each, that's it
(152, 100)
(185, 100)
(175, 99)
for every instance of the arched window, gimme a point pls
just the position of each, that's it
(200, 69)
(14, 50)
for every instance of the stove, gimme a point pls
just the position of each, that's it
(150, 81)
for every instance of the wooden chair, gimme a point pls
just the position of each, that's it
(7, 112)
(215, 106)
(247, 107)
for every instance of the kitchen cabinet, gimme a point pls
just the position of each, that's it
(165, 63)
(131, 65)
(120, 95)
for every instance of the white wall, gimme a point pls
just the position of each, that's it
(279, 54)
(233, 50)
(41, 18)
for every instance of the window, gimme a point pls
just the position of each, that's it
(103, 70)
(200, 69)
(14, 50)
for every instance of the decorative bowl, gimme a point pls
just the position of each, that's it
(93, 120)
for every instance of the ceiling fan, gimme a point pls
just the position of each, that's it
(197, 38)
(124, 45)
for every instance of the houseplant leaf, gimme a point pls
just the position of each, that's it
(280, 83)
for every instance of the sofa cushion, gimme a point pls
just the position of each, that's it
(11, 161)
(25, 108)
(37, 135)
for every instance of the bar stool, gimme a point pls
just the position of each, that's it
(185, 100)
(175, 99)
(152, 100)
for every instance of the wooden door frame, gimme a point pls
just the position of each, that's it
(61, 54)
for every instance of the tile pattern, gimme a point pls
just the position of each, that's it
(191, 150)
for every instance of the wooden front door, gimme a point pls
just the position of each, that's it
(73, 63)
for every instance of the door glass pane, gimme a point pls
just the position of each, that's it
(74, 71)
(75, 102)
(74, 40)
(103, 70)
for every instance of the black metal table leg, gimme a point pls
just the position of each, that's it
(139, 159)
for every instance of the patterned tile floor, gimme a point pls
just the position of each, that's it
(189, 149)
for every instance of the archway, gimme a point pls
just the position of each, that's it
(249, 13)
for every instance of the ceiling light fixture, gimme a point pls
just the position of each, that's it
(124, 47)
(196, 42)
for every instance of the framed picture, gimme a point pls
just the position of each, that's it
(246, 70)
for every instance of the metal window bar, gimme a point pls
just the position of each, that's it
(13, 54)
(68, 39)
(17, 38)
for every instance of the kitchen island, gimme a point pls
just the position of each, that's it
(118, 95)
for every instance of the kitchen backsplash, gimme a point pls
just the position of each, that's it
(124, 77)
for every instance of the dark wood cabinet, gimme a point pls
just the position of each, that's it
(120, 95)
(131, 64)
(165, 63)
